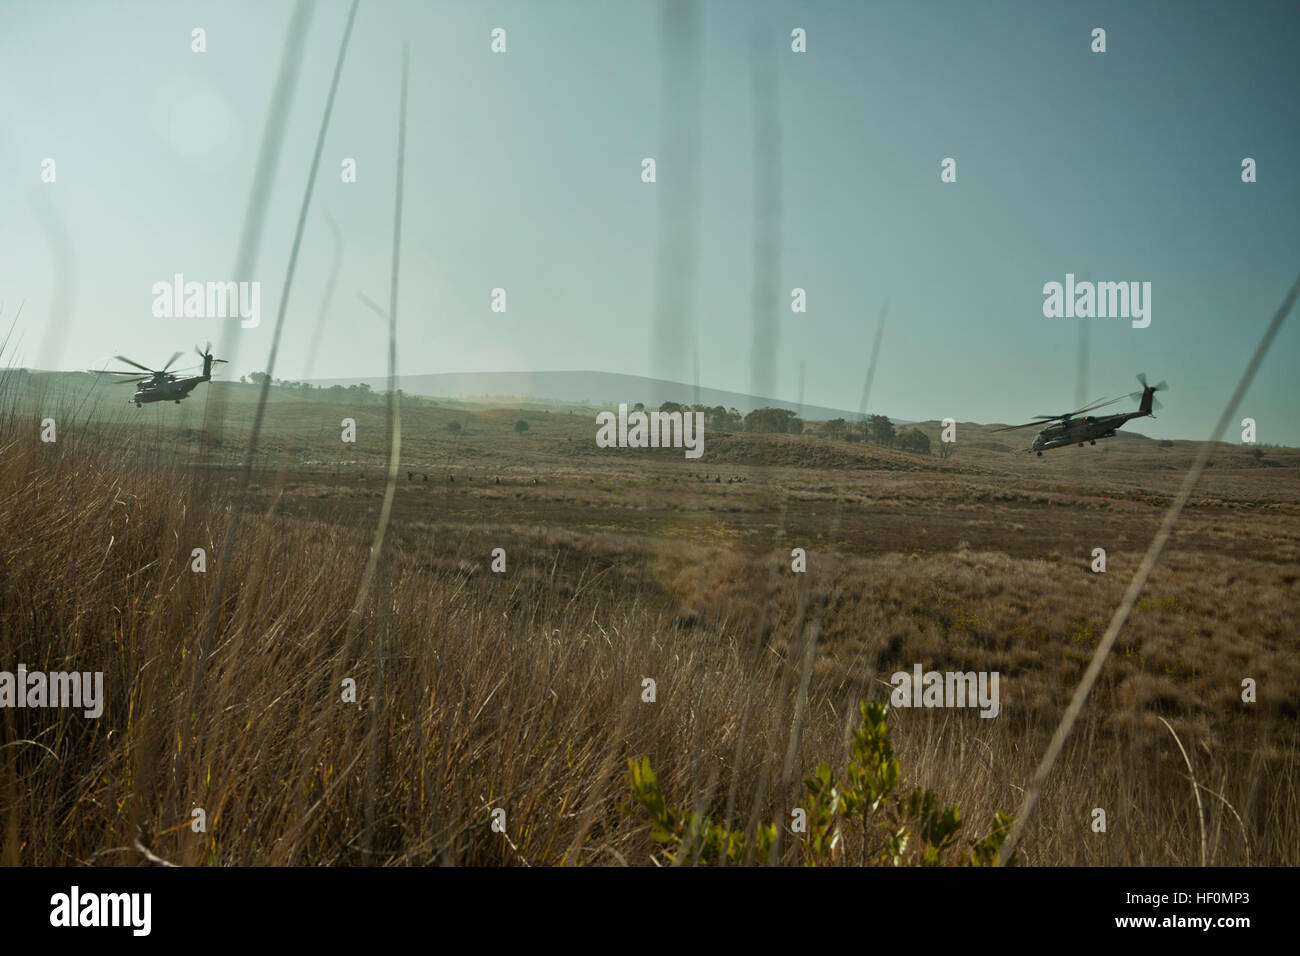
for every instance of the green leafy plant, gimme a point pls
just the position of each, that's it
(910, 827)
(694, 838)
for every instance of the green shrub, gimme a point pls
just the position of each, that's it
(696, 840)
(909, 828)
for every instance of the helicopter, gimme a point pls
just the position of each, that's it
(1069, 430)
(162, 385)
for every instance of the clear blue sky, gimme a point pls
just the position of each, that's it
(523, 172)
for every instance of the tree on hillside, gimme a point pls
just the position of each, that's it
(453, 427)
(771, 420)
(913, 440)
(722, 419)
(521, 426)
(880, 430)
(836, 428)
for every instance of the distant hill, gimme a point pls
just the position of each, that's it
(594, 388)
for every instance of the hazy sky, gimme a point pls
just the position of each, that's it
(524, 172)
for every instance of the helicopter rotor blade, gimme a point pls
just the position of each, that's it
(170, 361)
(1099, 404)
(1011, 428)
(130, 379)
(123, 358)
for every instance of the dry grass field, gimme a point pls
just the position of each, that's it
(522, 690)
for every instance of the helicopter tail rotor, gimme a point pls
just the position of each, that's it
(1147, 395)
(208, 361)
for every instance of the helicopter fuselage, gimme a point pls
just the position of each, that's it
(172, 390)
(1076, 431)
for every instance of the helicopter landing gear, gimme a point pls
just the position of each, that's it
(178, 401)
(1040, 454)
(1093, 442)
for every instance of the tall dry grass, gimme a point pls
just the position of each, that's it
(523, 691)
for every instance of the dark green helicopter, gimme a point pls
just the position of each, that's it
(1069, 430)
(161, 385)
